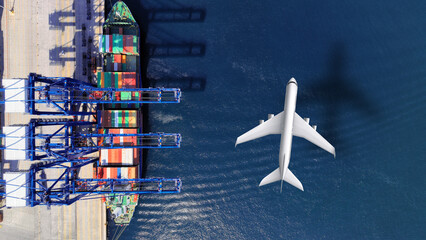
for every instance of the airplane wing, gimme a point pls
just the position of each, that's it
(271, 126)
(302, 129)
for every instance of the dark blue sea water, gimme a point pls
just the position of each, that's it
(361, 71)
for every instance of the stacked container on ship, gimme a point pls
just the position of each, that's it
(119, 50)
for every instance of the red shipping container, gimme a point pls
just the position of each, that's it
(118, 172)
(117, 58)
(129, 80)
(128, 44)
(120, 156)
(110, 43)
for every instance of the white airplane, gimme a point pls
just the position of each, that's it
(287, 123)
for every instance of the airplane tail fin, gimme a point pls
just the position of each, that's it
(275, 176)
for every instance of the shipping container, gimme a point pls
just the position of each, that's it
(120, 156)
(120, 118)
(118, 79)
(120, 63)
(128, 44)
(117, 58)
(117, 172)
(117, 43)
(119, 141)
(121, 80)
(130, 80)
(132, 63)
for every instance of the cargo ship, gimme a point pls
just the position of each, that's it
(119, 53)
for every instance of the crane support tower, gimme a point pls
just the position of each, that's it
(67, 140)
(33, 188)
(40, 95)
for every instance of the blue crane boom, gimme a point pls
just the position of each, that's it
(69, 188)
(65, 96)
(69, 142)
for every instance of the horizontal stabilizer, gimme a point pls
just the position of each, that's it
(272, 177)
(275, 176)
(290, 178)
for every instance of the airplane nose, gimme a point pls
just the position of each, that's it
(292, 80)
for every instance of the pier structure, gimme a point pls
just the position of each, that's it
(69, 140)
(40, 95)
(71, 144)
(67, 145)
(72, 157)
(51, 38)
(34, 188)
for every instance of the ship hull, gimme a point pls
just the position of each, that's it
(119, 50)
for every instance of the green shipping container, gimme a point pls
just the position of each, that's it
(126, 96)
(119, 118)
(117, 46)
(135, 45)
(99, 77)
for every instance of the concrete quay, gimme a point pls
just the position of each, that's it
(53, 38)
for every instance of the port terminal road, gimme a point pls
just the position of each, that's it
(51, 38)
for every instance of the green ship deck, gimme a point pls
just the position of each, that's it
(122, 208)
(120, 15)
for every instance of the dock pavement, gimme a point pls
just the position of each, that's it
(51, 38)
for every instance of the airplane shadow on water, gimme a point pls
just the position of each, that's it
(339, 94)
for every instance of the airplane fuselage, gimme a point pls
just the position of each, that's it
(288, 124)
(287, 131)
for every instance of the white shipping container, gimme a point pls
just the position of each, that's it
(15, 95)
(17, 189)
(16, 143)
